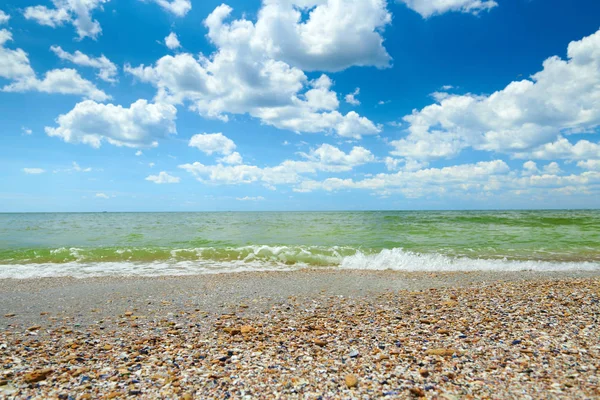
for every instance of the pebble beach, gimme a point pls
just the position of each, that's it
(390, 334)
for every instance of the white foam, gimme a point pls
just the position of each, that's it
(125, 268)
(387, 259)
(400, 260)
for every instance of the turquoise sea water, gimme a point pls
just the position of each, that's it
(89, 244)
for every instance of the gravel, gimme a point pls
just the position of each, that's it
(310, 334)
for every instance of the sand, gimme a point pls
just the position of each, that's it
(303, 334)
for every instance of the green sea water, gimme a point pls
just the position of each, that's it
(85, 244)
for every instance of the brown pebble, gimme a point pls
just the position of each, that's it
(37, 375)
(33, 328)
(247, 329)
(441, 352)
(351, 381)
(319, 342)
(424, 373)
(9, 315)
(416, 391)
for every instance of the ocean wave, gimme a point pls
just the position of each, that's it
(401, 260)
(276, 258)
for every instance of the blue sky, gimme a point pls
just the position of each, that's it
(179, 105)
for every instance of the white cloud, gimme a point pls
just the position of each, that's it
(178, 8)
(138, 153)
(243, 77)
(428, 8)
(151, 164)
(526, 119)
(466, 177)
(14, 64)
(172, 42)
(563, 149)
(591, 165)
(102, 195)
(4, 17)
(351, 97)
(63, 81)
(530, 168)
(34, 171)
(26, 131)
(383, 102)
(163, 178)
(324, 158)
(248, 198)
(107, 71)
(76, 12)
(324, 35)
(553, 168)
(233, 158)
(210, 143)
(140, 125)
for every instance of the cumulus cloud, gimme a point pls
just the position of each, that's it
(140, 125)
(428, 8)
(210, 143)
(324, 158)
(33, 171)
(178, 8)
(14, 65)
(107, 71)
(527, 118)
(592, 165)
(562, 148)
(351, 97)
(163, 178)
(172, 41)
(75, 12)
(328, 35)
(102, 196)
(4, 17)
(243, 76)
(63, 81)
(26, 131)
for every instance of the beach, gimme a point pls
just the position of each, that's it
(303, 334)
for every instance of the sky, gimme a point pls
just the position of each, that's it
(188, 105)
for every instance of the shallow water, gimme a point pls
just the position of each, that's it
(92, 244)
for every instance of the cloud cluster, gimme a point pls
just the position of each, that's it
(15, 66)
(261, 74)
(326, 158)
(527, 119)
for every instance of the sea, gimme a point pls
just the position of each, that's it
(34, 245)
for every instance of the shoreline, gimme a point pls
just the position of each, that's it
(304, 333)
(213, 292)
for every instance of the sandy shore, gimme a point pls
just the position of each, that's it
(303, 334)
